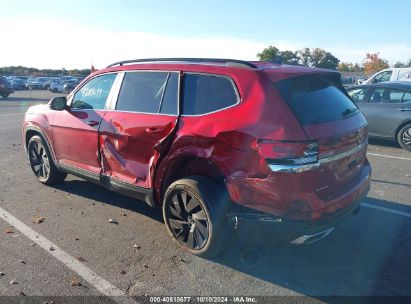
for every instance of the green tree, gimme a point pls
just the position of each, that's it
(305, 56)
(290, 57)
(269, 53)
(320, 58)
(400, 64)
(345, 67)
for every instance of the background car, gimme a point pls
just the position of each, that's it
(387, 107)
(37, 83)
(17, 83)
(46, 85)
(5, 87)
(391, 74)
(65, 86)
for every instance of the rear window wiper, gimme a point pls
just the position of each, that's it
(347, 112)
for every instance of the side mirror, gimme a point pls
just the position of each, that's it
(58, 103)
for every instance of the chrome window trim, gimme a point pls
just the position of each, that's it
(321, 161)
(233, 83)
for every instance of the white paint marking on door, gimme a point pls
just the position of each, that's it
(388, 156)
(406, 214)
(102, 285)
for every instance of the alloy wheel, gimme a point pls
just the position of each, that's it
(406, 137)
(187, 220)
(39, 160)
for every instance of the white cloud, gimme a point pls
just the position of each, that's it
(392, 52)
(45, 43)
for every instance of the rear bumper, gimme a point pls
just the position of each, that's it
(255, 224)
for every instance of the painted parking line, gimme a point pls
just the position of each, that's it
(102, 285)
(388, 156)
(406, 214)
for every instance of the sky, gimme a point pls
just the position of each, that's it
(76, 34)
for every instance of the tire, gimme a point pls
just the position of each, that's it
(5, 95)
(41, 162)
(194, 214)
(404, 137)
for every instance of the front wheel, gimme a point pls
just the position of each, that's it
(404, 137)
(194, 214)
(42, 163)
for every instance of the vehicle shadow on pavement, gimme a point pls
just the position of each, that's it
(98, 193)
(366, 255)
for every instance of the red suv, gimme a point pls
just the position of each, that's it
(215, 143)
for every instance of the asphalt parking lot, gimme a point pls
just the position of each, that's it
(368, 255)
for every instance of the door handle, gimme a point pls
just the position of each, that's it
(154, 130)
(92, 123)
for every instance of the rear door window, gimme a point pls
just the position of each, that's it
(404, 76)
(386, 95)
(315, 99)
(407, 97)
(149, 92)
(207, 93)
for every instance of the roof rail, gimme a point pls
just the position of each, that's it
(194, 60)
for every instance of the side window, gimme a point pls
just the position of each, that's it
(149, 92)
(357, 95)
(93, 95)
(404, 76)
(386, 95)
(384, 76)
(407, 97)
(207, 93)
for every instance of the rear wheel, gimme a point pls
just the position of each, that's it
(42, 163)
(404, 137)
(4, 95)
(194, 214)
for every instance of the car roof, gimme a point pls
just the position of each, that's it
(274, 70)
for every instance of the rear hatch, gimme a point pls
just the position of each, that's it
(333, 123)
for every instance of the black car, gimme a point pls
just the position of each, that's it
(5, 87)
(387, 107)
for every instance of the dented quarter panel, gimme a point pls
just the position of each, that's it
(228, 140)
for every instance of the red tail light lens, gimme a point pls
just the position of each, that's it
(288, 153)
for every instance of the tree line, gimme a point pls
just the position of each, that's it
(320, 58)
(25, 71)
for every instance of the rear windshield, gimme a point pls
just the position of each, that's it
(315, 99)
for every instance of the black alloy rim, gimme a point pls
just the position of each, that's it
(406, 137)
(39, 160)
(187, 220)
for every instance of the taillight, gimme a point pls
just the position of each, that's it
(288, 153)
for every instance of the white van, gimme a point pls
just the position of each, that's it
(391, 74)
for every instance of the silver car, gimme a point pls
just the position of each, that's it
(387, 107)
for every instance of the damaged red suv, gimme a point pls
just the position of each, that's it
(216, 143)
